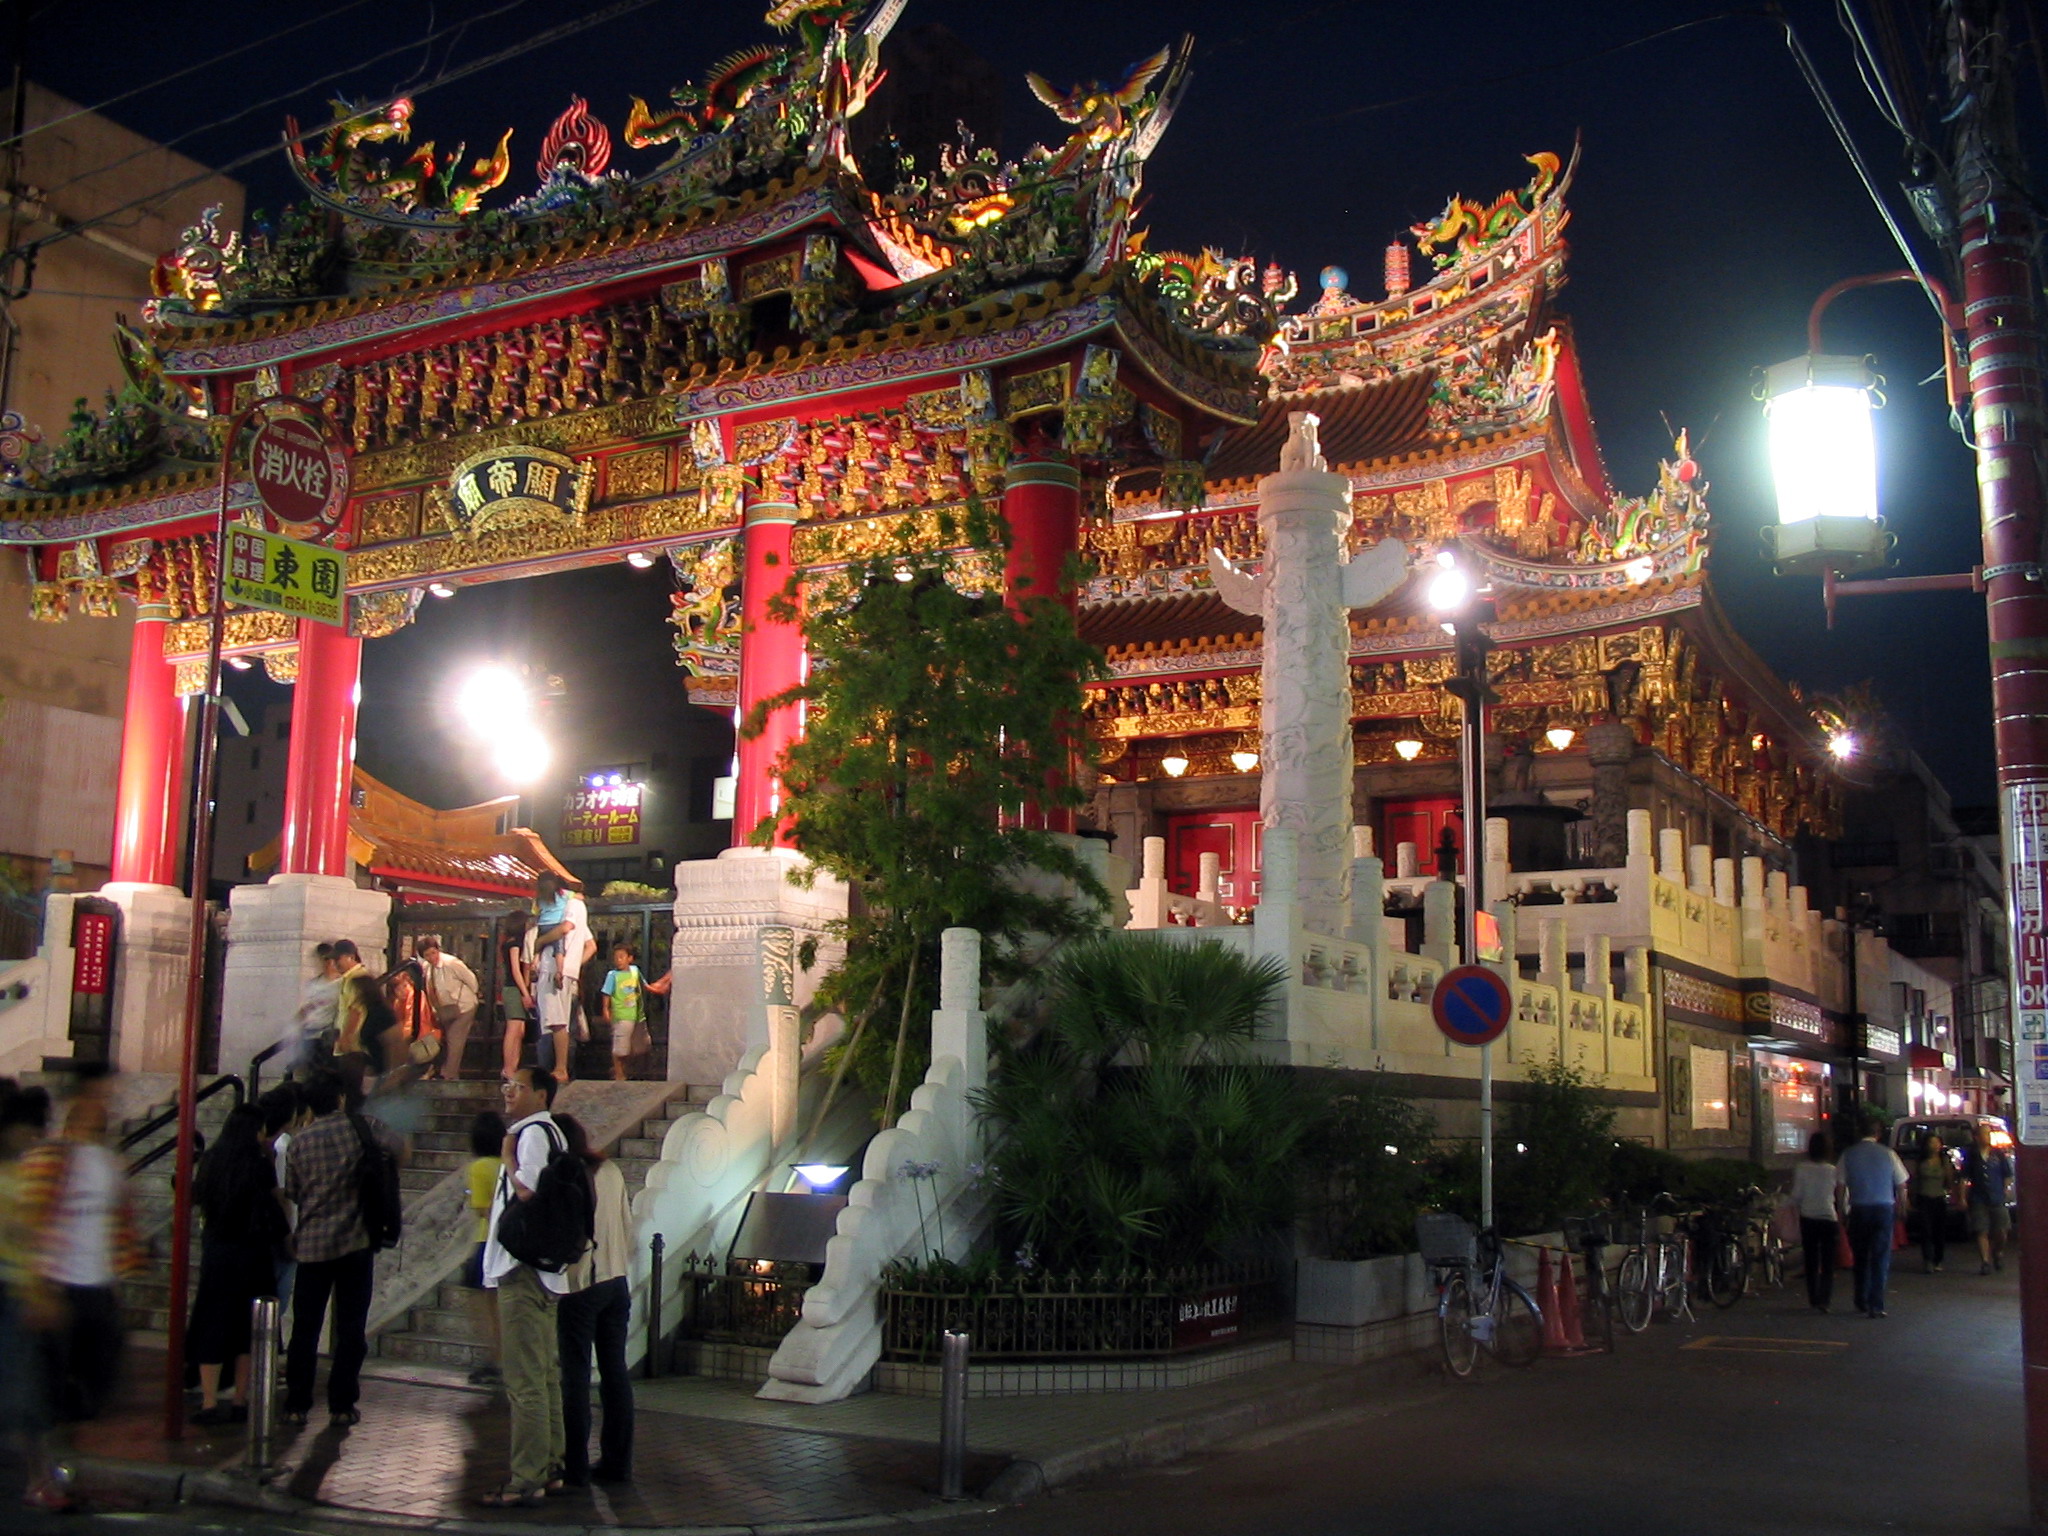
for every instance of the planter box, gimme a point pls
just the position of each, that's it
(1349, 1293)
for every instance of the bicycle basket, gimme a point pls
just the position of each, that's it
(1582, 1232)
(1445, 1238)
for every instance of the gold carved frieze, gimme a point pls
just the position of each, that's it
(282, 665)
(1417, 512)
(1174, 706)
(639, 473)
(386, 519)
(240, 631)
(776, 275)
(864, 538)
(435, 458)
(756, 442)
(1029, 393)
(622, 527)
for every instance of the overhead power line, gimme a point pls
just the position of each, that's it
(272, 101)
(180, 74)
(447, 77)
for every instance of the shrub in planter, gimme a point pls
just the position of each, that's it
(1370, 1169)
(1135, 1131)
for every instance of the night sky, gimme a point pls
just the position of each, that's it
(1711, 207)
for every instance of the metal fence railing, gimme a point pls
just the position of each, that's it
(741, 1301)
(1100, 1316)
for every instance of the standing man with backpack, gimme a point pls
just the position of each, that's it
(341, 1174)
(541, 1222)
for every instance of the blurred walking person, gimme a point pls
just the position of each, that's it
(486, 1146)
(1813, 1192)
(596, 1314)
(27, 1307)
(236, 1192)
(1988, 1167)
(74, 1203)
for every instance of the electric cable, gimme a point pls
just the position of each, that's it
(538, 40)
(190, 69)
(270, 101)
(1818, 87)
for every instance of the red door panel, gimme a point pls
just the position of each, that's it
(1421, 822)
(1233, 836)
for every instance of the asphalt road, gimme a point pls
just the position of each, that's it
(1766, 1418)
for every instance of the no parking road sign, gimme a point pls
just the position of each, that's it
(1472, 1005)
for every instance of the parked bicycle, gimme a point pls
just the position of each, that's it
(1656, 1271)
(1479, 1305)
(1590, 1235)
(1719, 1234)
(1766, 1249)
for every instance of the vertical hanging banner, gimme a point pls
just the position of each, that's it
(92, 947)
(2026, 873)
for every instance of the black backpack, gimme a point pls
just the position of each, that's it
(378, 1015)
(556, 1226)
(378, 1195)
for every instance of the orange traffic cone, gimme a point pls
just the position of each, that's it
(1554, 1341)
(1568, 1305)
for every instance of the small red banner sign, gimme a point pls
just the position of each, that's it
(92, 952)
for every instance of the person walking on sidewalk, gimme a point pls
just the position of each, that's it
(1989, 1170)
(1933, 1178)
(333, 1246)
(625, 993)
(1813, 1192)
(529, 1352)
(596, 1313)
(1873, 1182)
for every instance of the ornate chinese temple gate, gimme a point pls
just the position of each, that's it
(741, 353)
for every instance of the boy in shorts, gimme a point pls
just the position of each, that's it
(625, 1006)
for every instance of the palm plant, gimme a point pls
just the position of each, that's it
(1135, 1130)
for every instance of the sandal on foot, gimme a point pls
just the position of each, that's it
(512, 1498)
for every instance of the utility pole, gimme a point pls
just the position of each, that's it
(1995, 230)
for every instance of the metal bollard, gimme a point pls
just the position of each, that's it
(263, 1329)
(953, 1350)
(650, 1368)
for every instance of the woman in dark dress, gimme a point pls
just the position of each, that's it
(236, 1193)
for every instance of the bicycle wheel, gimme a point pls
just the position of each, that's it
(1634, 1297)
(1454, 1322)
(1727, 1271)
(1774, 1260)
(1598, 1321)
(1517, 1325)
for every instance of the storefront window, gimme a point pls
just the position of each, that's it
(1798, 1094)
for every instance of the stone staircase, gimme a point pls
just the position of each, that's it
(440, 1331)
(146, 1299)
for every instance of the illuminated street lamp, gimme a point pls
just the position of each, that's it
(1824, 465)
(1464, 611)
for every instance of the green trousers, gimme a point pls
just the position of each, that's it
(532, 1363)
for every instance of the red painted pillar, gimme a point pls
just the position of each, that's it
(771, 661)
(152, 787)
(317, 777)
(1042, 508)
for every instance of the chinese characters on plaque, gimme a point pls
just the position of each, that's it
(603, 817)
(515, 484)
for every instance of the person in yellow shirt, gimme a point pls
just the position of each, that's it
(486, 1140)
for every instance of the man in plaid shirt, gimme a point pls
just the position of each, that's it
(333, 1250)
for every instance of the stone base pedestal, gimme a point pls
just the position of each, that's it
(152, 943)
(272, 929)
(715, 1012)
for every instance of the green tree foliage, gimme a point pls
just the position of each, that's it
(1554, 1160)
(1135, 1131)
(930, 713)
(1370, 1161)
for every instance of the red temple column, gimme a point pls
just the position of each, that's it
(152, 787)
(771, 661)
(317, 777)
(1042, 508)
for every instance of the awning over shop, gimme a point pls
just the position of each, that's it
(1925, 1058)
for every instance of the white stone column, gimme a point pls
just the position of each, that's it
(1305, 760)
(272, 929)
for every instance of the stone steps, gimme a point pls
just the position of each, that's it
(439, 1330)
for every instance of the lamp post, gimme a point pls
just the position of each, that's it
(1464, 611)
(1999, 365)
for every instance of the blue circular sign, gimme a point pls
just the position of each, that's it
(1472, 1005)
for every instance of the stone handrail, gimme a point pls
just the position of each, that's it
(917, 1194)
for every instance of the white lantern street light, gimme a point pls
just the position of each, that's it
(1824, 464)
